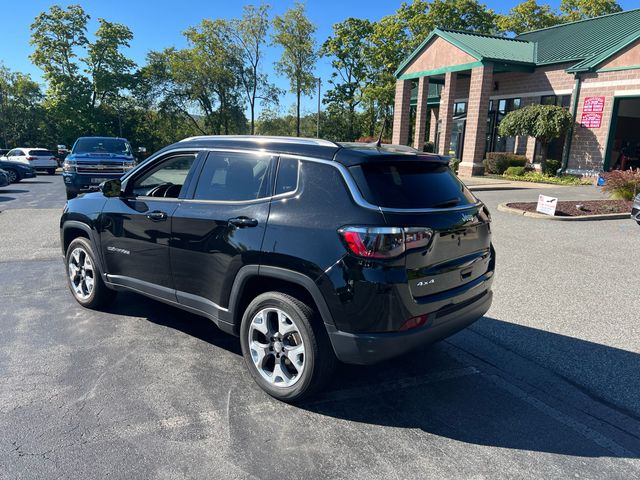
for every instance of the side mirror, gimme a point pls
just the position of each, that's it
(111, 188)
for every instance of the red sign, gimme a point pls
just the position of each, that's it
(593, 105)
(591, 120)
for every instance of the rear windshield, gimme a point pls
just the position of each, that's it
(410, 185)
(41, 153)
(102, 145)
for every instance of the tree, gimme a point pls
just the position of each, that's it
(294, 32)
(527, 16)
(348, 48)
(581, 9)
(250, 35)
(544, 122)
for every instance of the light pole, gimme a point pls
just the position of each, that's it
(318, 119)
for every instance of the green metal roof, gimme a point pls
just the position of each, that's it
(584, 39)
(481, 47)
(586, 42)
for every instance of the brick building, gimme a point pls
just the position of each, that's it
(455, 88)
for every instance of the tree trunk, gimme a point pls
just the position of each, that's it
(298, 113)
(544, 148)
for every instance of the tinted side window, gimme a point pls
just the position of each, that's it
(235, 177)
(287, 176)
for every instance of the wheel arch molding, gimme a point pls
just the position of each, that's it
(253, 280)
(69, 231)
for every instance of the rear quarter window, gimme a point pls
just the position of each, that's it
(410, 185)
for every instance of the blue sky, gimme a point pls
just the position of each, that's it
(159, 24)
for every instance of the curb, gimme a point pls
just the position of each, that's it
(605, 216)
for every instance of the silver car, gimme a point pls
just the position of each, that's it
(635, 210)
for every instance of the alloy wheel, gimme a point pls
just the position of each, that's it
(12, 176)
(276, 347)
(81, 273)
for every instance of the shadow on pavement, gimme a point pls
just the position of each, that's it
(432, 391)
(13, 191)
(6, 199)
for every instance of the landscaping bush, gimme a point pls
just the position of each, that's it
(537, 177)
(429, 147)
(550, 167)
(498, 162)
(515, 171)
(622, 185)
(454, 163)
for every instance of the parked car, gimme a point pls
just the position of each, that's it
(37, 158)
(93, 160)
(4, 178)
(635, 210)
(17, 171)
(310, 251)
(3, 151)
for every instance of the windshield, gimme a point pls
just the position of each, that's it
(410, 185)
(41, 153)
(102, 145)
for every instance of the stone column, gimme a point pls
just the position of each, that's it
(433, 126)
(446, 112)
(401, 111)
(421, 113)
(476, 130)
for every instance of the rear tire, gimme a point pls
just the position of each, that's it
(83, 275)
(285, 346)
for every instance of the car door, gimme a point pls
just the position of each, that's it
(136, 227)
(221, 227)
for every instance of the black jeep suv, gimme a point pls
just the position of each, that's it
(310, 251)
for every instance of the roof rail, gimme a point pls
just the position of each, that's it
(266, 138)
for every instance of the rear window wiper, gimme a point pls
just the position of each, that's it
(452, 202)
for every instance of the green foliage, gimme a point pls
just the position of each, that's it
(294, 32)
(454, 164)
(550, 167)
(544, 122)
(528, 15)
(537, 177)
(498, 162)
(622, 184)
(581, 9)
(515, 171)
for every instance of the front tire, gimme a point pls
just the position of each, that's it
(83, 275)
(285, 348)
(12, 176)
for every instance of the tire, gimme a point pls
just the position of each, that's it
(51, 171)
(82, 266)
(13, 176)
(71, 195)
(302, 334)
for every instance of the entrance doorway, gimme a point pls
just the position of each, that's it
(623, 147)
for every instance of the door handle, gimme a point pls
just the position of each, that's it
(242, 222)
(157, 216)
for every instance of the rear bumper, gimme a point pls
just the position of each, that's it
(369, 348)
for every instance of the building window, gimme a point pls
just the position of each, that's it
(459, 108)
(498, 109)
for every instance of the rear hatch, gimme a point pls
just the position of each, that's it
(425, 193)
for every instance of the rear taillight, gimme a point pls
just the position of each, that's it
(384, 242)
(30, 158)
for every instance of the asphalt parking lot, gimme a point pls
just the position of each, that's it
(547, 385)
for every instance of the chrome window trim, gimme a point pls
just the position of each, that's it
(351, 184)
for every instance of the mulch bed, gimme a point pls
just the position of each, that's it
(589, 207)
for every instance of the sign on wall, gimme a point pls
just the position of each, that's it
(593, 105)
(591, 120)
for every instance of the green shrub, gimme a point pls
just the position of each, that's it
(550, 167)
(498, 162)
(429, 147)
(515, 171)
(622, 185)
(537, 177)
(454, 163)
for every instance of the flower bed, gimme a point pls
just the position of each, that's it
(588, 207)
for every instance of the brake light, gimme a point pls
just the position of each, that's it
(414, 322)
(31, 158)
(384, 242)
